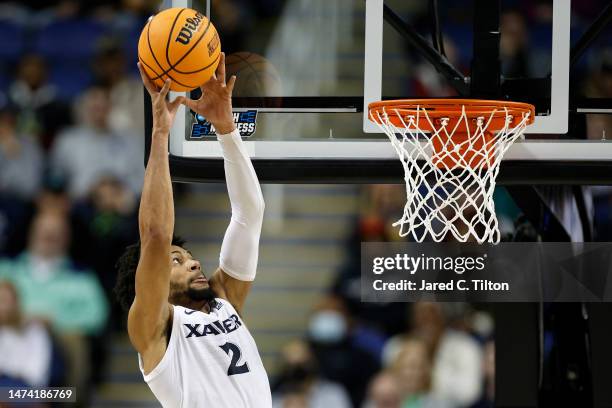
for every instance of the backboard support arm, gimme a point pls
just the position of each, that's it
(454, 77)
(591, 34)
(486, 64)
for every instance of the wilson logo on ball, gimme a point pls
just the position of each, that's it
(190, 27)
(213, 44)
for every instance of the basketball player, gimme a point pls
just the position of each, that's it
(193, 347)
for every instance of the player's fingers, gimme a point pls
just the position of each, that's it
(207, 84)
(190, 103)
(151, 88)
(231, 83)
(221, 68)
(174, 105)
(165, 89)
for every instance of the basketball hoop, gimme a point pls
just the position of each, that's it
(451, 151)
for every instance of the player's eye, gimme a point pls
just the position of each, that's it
(176, 260)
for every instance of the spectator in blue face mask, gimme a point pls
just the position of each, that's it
(340, 348)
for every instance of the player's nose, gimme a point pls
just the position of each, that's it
(195, 265)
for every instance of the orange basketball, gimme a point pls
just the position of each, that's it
(180, 44)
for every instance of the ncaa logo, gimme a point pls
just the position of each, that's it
(246, 123)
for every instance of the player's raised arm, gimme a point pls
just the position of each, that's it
(150, 310)
(240, 248)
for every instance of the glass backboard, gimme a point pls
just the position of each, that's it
(308, 68)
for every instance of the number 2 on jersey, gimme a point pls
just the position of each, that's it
(235, 354)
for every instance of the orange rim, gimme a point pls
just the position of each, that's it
(399, 112)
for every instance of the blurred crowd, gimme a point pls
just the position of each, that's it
(71, 126)
(71, 120)
(393, 355)
(425, 354)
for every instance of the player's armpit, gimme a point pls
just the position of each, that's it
(150, 342)
(145, 324)
(144, 334)
(150, 310)
(231, 289)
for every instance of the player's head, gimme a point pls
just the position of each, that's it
(187, 280)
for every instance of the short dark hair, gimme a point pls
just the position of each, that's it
(125, 287)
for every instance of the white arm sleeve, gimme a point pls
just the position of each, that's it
(240, 248)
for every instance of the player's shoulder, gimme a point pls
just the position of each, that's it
(217, 306)
(223, 308)
(220, 305)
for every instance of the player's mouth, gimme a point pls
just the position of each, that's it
(200, 279)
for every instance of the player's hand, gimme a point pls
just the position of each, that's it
(215, 104)
(164, 111)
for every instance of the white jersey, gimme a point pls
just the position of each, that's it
(211, 361)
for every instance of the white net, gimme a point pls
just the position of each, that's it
(450, 171)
